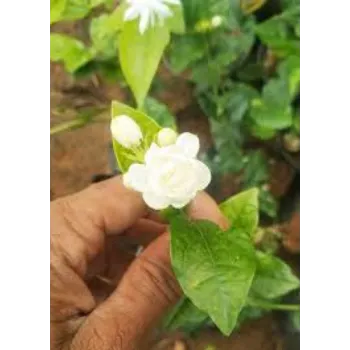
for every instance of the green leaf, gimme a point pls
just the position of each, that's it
(140, 56)
(296, 123)
(56, 9)
(273, 110)
(243, 210)
(104, 36)
(273, 278)
(214, 268)
(268, 203)
(185, 316)
(289, 70)
(261, 132)
(256, 170)
(176, 22)
(159, 112)
(276, 33)
(206, 74)
(94, 3)
(185, 50)
(236, 101)
(149, 128)
(71, 51)
(116, 18)
(76, 9)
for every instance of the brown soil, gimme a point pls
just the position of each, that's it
(78, 155)
(291, 234)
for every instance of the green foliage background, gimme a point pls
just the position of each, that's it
(245, 76)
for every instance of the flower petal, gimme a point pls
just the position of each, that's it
(136, 177)
(130, 14)
(173, 2)
(144, 20)
(154, 201)
(203, 175)
(162, 10)
(189, 143)
(180, 203)
(152, 152)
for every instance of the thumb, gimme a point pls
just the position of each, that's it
(145, 293)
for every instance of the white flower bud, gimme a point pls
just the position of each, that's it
(216, 21)
(126, 131)
(166, 137)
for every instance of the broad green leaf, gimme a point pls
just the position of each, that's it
(149, 128)
(296, 123)
(270, 116)
(76, 9)
(207, 74)
(185, 316)
(70, 51)
(276, 33)
(273, 278)
(289, 70)
(140, 56)
(243, 210)
(104, 36)
(185, 50)
(268, 203)
(176, 22)
(273, 110)
(56, 9)
(261, 132)
(215, 268)
(159, 112)
(238, 101)
(256, 170)
(116, 18)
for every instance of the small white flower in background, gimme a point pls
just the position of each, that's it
(166, 137)
(216, 21)
(149, 11)
(126, 131)
(171, 175)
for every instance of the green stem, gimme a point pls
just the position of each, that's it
(273, 306)
(69, 125)
(76, 123)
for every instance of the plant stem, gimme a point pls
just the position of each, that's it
(76, 123)
(69, 125)
(273, 306)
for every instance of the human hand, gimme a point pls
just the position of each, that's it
(87, 232)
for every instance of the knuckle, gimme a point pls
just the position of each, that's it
(159, 281)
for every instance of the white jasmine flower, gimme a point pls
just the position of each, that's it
(126, 131)
(216, 21)
(166, 137)
(171, 175)
(149, 11)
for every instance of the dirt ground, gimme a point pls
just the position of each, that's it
(78, 155)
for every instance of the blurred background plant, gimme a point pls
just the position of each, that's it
(239, 61)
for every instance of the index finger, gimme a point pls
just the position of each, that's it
(80, 222)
